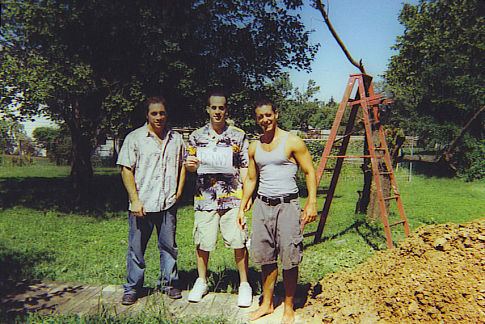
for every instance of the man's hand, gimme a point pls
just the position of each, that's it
(192, 163)
(137, 209)
(309, 214)
(241, 220)
(177, 197)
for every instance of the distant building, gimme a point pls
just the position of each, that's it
(109, 148)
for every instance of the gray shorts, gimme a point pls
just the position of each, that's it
(276, 230)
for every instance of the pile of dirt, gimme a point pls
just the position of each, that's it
(436, 275)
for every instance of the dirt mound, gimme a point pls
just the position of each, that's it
(436, 275)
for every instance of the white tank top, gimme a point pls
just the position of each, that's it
(277, 174)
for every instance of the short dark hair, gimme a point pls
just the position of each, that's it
(155, 100)
(215, 94)
(265, 102)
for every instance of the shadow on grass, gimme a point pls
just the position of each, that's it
(17, 273)
(18, 265)
(107, 194)
(371, 234)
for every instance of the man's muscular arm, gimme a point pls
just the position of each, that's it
(304, 159)
(248, 187)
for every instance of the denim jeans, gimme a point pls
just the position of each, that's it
(140, 230)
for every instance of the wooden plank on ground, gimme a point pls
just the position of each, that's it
(44, 298)
(112, 294)
(63, 298)
(65, 294)
(82, 301)
(58, 294)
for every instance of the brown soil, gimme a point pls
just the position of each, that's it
(436, 275)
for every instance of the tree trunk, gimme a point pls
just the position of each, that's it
(116, 150)
(81, 168)
(369, 202)
(364, 201)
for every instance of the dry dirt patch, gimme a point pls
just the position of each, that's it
(436, 275)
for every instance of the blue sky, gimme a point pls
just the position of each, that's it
(368, 28)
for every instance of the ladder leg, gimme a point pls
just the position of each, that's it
(337, 169)
(374, 163)
(388, 163)
(334, 130)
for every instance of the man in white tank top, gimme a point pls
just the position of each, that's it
(277, 218)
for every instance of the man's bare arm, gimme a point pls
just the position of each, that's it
(181, 182)
(128, 177)
(248, 187)
(304, 159)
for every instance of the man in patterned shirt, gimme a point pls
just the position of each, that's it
(151, 161)
(219, 155)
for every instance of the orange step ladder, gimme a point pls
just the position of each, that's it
(336, 148)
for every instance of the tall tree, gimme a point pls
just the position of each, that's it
(7, 139)
(91, 63)
(300, 110)
(437, 78)
(56, 142)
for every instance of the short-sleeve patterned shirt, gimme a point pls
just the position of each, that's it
(156, 166)
(227, 152)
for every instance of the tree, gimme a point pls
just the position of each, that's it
(300, 110)
(45, 137)
(11, 132)
(91, 63)
(7, 141)
(437, 78)
(56, 142)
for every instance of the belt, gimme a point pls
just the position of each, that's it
(279, 200)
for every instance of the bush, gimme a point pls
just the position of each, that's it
(472, 153)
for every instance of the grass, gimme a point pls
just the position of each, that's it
(104, 317)
(41, 239)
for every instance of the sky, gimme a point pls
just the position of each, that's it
(368, 29)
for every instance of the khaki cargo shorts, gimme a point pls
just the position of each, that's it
(276, 230)
(208, 223)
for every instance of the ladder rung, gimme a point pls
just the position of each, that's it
(397, 223)
(328, 169)
(392, 197)
(309, 234)
(380, 149)
(386, 172)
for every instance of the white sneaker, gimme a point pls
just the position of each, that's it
(245, 296)
(198, 291)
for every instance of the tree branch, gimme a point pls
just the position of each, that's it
(359, 65)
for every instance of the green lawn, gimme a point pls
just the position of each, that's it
(40, 239)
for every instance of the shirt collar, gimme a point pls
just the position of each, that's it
(209, 130)
(168, 130)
